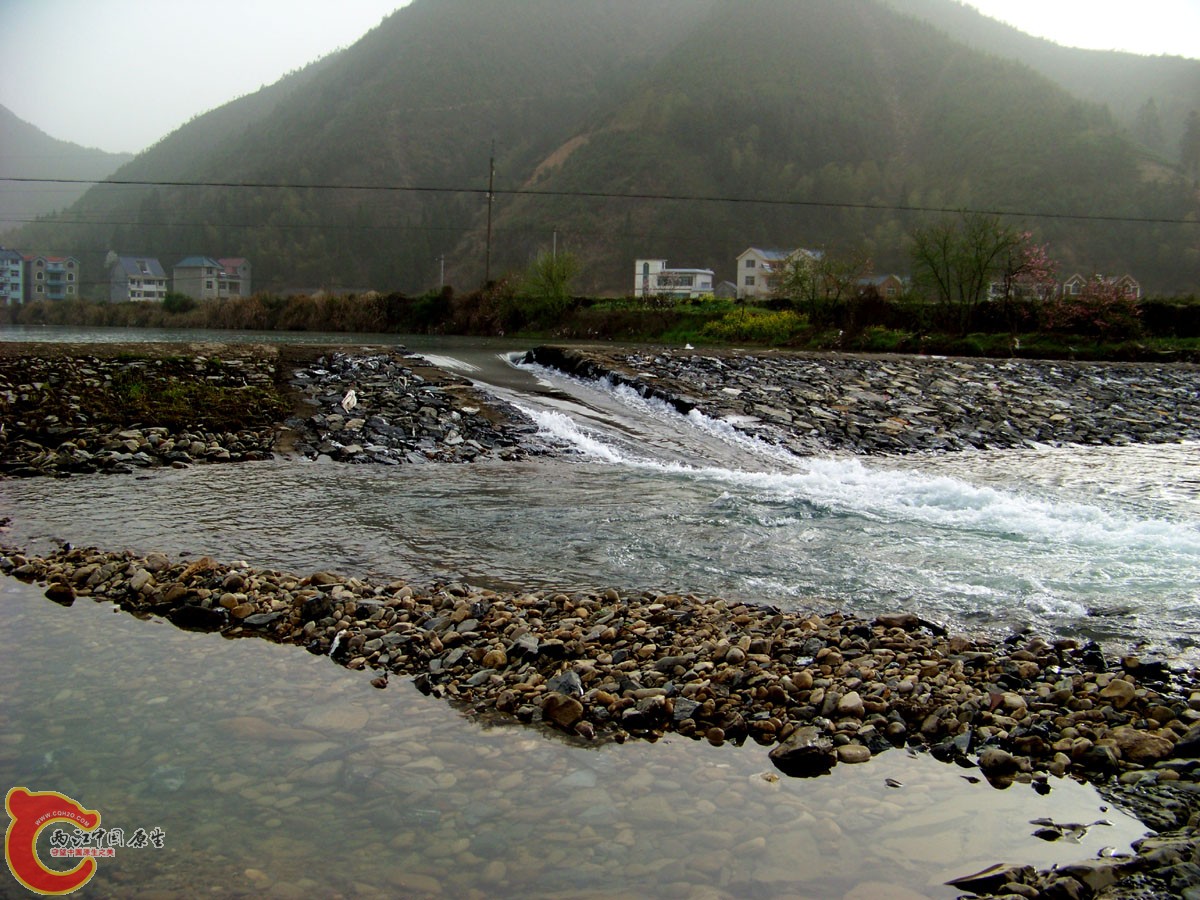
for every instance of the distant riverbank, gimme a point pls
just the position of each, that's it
(1165, 330)
(76, 407)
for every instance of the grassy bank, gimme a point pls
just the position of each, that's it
(1164, 331)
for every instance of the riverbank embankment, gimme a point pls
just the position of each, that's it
(117, 408)
(814, 403)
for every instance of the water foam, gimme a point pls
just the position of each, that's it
(848, 487)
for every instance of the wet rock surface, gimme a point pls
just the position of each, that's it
(821, 690)
(813, 403)
(386, 409)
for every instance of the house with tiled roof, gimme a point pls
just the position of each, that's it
(1127, 286)
(235, 277)
(197, 277)
(137, 279)
(885, 287)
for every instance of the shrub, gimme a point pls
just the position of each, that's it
(757, 326)
(1101, 308)
(176, 303)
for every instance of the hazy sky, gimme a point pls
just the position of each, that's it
(121, 74)
(1151, 27)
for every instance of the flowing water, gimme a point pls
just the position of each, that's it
(1098, 543)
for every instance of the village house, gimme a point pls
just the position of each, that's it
(234, 280)
(1128, 286)
(51, 278)
(136, 278)
(652, 278)
(885, 287)
(205, 278)
(757, 269)
(12, 277)
(197, 277)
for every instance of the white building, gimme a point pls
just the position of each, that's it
(756, 269)
(652, 278)
(136, 278)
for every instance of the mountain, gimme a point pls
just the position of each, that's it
(28, 152)
(1151, 95)
(823, 123)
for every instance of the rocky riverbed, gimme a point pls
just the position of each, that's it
(819, 690)
(67, 409)
(383, 409)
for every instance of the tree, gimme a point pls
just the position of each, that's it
(818, 282)
(550, 276)
(1148, 126)
(1030, 275)
(548, 282)
(958, 261)
(1103, 307)
(1189, 148)
(174, 302)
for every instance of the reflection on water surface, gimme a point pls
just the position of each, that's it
(276, 773)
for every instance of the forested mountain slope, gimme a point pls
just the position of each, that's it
(1151, 95)
(848, 117)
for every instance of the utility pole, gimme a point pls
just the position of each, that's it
(554, 247)
(442, 274)
(487, 261)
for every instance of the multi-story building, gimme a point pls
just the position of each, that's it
(757, 269)
(652, 278)
(235, 280)
(12, 277)
(198, 277)
(205, 278)
(51, 278)
(136, 278)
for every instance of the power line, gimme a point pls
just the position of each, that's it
(612, 195)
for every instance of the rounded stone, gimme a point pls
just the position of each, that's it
(562, 710)
(852, 754)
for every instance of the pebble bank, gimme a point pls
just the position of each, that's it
(74, 409)
(819, 690)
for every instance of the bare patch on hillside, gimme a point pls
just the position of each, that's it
(558, 157)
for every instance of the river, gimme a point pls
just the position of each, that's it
(1089, 542)
(276, 773)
